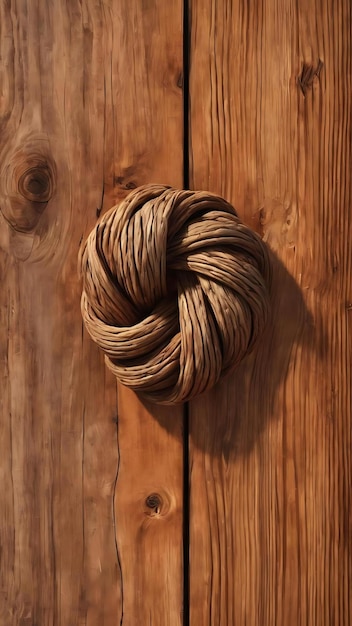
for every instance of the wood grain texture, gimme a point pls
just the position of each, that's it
(149, 149)
(90, 107)
(270, 447)
(149, 513)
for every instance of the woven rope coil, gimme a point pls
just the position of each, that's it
(175, 290)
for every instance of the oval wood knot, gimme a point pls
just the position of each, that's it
(35, 184)
(28, 185)
(175, 290)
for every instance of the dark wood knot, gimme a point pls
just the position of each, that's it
(154, 502)
(307, 75)
(28, 182)
(36, 183)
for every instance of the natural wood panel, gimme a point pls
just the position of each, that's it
(149, 496)
(270, 447)
(149, 513)
(90, 100)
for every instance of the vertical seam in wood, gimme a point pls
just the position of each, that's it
(186, 179)
(114, 511)
(186, 519)
(186, 54)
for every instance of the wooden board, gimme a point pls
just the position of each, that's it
(90, 107)
(270, 447)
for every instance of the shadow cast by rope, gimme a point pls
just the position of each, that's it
(228, 420)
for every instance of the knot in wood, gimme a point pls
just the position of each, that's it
(28, 184)
(175, 290)
(36, 184)
(154, 502)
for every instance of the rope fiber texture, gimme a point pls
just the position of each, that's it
(175, 291)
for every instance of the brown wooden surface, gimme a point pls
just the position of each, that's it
(91, 479)
(270, 448)
(148, 508)
(90, 97)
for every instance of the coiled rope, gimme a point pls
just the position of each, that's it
(175, 290)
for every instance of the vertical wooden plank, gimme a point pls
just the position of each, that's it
(148, 508)
(270, 447)
(90, 107)
(149, 496)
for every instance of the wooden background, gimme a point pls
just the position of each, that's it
(236, 509)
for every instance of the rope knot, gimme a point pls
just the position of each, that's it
(175, 290)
